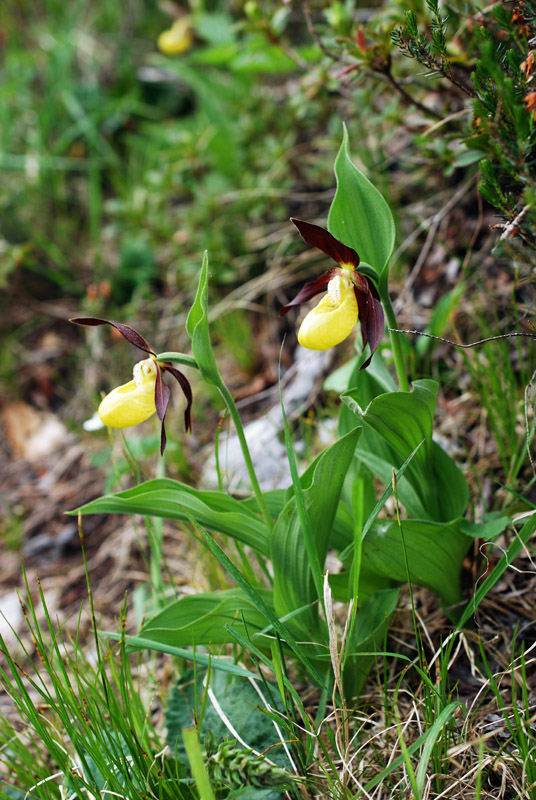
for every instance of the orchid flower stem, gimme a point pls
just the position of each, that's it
(188, 361)
(235, 416)
(178, 358)
(398, 356)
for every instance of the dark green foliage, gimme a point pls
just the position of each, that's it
(240, 703)
(10, 793)
(230, 764)
(428, 48)
(502, 128)
(117, 765)
(137, 270)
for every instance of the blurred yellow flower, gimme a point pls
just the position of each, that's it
(177, 39)
(335, 316)
(133, 402)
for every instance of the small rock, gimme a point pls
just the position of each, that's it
(32, 434)
(11, 618)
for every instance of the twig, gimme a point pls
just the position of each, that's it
(510, 227)
(314, 33)
(529, 402)
(433, 223)
(444, 120)
(409, 99)
(476, 231)
(471, 344)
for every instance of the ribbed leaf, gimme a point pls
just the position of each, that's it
(359, 215)
(322, 484)
(395, 423)
(201, 619)
(201, 659)
(402, 419)
(435, 552)
(173, 500)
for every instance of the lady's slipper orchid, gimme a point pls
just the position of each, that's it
(350, 297)
(177, 39)
(133, 402)
(137, 400)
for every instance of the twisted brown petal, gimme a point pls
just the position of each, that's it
(161, 401)
(310, 289)
(186, 390)
(130, 334)
(320, 238)
(370, 317)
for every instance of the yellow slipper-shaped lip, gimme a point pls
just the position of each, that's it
(133, 402)
(333, 319)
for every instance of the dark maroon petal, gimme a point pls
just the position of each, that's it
(161, 401)
(187, 391)
(129, 333)
(163, 438)
(309, 290)
(370, 317)
(320, 238)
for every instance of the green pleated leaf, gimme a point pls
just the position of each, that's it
(264, 606)
(452, 494)
(376, 376)
(173, 500)
(200, 659)
(489, 528)
(197, 328)
(402, 419)
(201, 619)
(394, 424)
(435, 552)
(359, 215)
(341, 586)
(322, 483)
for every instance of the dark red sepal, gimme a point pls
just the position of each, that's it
(186, 390)
(371, 318)
(126, 331)
(161, 401)
(323, 240)
(310, 289)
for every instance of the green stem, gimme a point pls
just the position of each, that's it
(178, 358)
(235, 416)
(188, 361)
(197, 764)
(395, 341)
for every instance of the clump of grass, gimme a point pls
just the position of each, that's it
(438, 720)
(81, 723)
